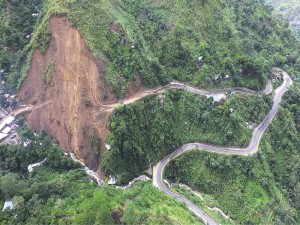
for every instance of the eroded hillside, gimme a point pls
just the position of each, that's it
(72, 80)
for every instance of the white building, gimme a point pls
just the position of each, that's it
(6, 121)
(2, 136)
(8, 204)
(107, 147)
(217, 97)
(6, 130)
(112, 180)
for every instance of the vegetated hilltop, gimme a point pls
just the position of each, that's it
(192, 41)
(290, 10)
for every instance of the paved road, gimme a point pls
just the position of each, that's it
(158, 169)
(251, 149)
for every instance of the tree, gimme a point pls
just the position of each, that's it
(9, 184)
(129, 214)
(297, 195)
(94, 210)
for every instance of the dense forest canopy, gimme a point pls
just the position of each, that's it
(58, 192)
(16, 27)
(144, 132)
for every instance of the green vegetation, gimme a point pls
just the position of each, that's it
(48, 74)
(146, 131)
(207, 201)
(262, 189)
(290, 10)
(198, 42)
(190, 41)
(16, 28)
(58, 192)
(96, 143)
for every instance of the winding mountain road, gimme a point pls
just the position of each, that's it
(159, 168)
(251, 149)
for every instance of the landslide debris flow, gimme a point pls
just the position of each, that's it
(69, 77)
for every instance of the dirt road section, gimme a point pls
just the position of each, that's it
(70, 78)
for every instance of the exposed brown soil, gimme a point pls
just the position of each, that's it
(116, 27)
(76, 93)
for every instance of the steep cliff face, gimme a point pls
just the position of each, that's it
(70, 78)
